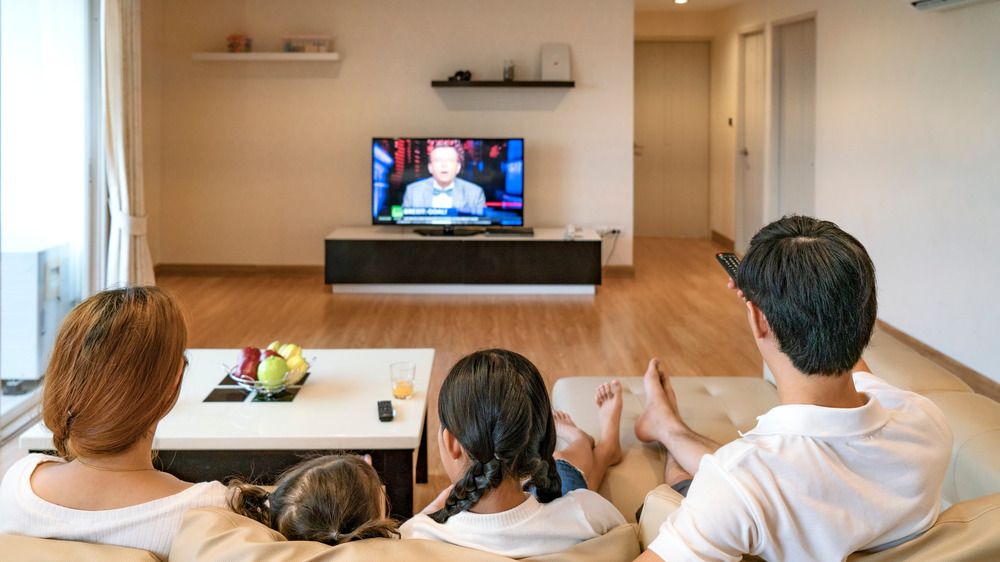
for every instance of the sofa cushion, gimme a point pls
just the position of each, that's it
(216, 534)
(18, 547)
(718, 407)
(899, 365)
(974, 469)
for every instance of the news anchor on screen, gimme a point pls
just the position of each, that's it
(444, 188)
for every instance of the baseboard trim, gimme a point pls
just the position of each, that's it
(618, 271)
(978, 381)
(236, 270)
(725, 242)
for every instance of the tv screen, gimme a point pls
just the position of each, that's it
(448, 181)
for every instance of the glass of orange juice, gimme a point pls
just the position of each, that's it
(402, 374)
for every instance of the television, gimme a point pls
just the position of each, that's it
(451, 184)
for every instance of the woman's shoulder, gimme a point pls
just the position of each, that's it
(24, 467)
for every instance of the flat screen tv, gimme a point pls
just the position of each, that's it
(448, 182)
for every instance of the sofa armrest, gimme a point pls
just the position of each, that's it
(19, 547)
(964, 531)
(217, 534)
(659, 504)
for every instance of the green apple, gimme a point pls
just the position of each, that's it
(272, 371)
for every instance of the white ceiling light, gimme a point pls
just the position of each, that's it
(680, 1)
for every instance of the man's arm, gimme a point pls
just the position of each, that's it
(648, 556)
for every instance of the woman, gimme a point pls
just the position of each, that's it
(115, 372)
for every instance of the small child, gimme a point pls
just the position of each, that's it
(496, 442)
(332, 499)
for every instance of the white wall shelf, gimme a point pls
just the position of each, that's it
(276, 56)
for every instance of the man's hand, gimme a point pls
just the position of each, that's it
(732, 285)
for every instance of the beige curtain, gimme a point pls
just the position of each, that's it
(129, 260)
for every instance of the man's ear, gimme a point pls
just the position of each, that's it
(758, 322)
(451, 445)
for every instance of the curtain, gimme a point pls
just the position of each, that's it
(129, 259)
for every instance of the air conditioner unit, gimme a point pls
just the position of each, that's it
(937, 4)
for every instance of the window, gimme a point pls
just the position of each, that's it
(47, 165)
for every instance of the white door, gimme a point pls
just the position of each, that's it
(671, 138)
(750, 197)
(795, 96)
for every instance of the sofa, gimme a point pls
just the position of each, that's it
(719, 407)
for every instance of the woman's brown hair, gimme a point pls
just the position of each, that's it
(332, 499)
(113, 371)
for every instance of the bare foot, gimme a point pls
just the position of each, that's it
(609, 410)
(567, 430)
(660, 413)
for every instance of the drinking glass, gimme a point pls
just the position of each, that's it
(402, 374)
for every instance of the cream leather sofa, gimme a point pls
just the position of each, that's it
(968, 529)
(719, 407)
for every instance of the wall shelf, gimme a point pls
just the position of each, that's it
(276, 56)
(502, 84)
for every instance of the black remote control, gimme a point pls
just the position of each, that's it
(730, 262)
(385, 410)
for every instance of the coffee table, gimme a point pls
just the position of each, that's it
(334, 409)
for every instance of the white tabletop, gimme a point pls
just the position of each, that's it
(336, 408)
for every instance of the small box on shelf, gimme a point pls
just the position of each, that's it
(307, 44)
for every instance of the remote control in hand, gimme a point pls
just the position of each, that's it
(730, 262)
(385, 412)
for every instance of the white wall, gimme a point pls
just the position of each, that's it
(254, 163)
(907, 154)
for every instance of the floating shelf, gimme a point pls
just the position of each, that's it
(502, 84)
(276, 56)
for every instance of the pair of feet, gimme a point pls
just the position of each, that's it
(608, 398)
(660, 420)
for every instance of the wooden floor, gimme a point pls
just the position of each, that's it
(676, 307)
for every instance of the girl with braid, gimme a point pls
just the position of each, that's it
(497, 442)
(332, 499)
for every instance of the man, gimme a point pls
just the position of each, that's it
(444, 188)
(846, 462)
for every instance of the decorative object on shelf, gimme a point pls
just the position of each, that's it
(461, 76)
(307, 44)
(508, 70)
(238, 43)
(555, 62)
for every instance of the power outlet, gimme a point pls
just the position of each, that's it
(603, 230)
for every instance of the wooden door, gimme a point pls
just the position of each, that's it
(671, 138)
(751, 158)
(795, 91)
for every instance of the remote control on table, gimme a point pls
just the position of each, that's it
(730, 262)
(385, 412)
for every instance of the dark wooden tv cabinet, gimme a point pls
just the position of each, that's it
(391, 256)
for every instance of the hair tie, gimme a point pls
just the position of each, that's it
(497, 457)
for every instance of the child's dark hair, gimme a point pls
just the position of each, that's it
(495, 403)
(332, 499)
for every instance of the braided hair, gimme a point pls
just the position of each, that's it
(332, 499)
(494, 402)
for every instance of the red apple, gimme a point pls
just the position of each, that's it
(269, 353)
(249, 360)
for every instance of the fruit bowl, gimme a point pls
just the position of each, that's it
(268, 388)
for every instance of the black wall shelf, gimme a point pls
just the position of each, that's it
(502, 84)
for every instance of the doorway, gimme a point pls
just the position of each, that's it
(750, 174)
(671, 138)
(795, 118)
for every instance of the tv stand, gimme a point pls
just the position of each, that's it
(449, 230)
(392, 259)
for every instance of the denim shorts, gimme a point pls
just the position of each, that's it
(572, 478)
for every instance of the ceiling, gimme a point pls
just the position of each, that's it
(691, 6)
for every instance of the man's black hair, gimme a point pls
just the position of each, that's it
(815, 285)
